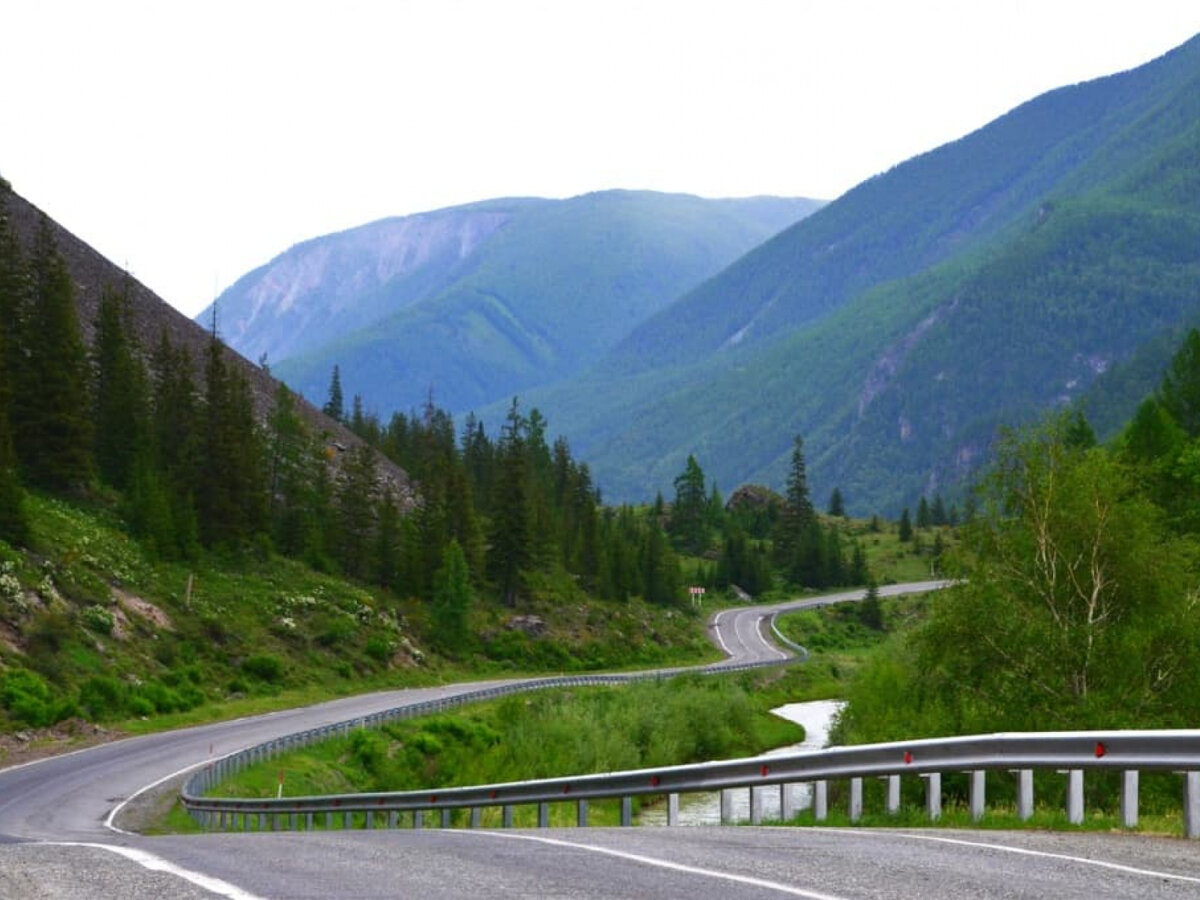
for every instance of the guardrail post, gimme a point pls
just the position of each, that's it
(1024, 794)
(933, 795)
(977, 793)
(1191, 804)
(1075, 796)
(245, 821)
(893, 794)
(445, 818)
(506, 817)
(855, 809)
(476, 816)
(1129, 798)
(756, 805)
(820, 800)
(370, 825)
(418, 818)
(393, 818)
(626, 811)
(726, 807)
(347, 821)
(308, 821)
(672, 809)
(787, 802)
(543, 815)
(291, 821)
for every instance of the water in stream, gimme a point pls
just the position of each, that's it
(705, 809)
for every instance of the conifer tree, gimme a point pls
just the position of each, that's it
(52, 393)
(906, 529)
(511, 544)
(14, 307)
(452, 598)
(938, 511)
(355, 511)
(14, 521)
(689, 513)
(837, 506)
(1179, 392)
(924, 517)
(334, 407)
(797, 515)
(120, 396)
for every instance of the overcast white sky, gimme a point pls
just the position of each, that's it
(193, 142)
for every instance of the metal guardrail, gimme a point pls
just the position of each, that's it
(223, 767)
(1071, 753)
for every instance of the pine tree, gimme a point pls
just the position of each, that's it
(52, 394)
(836, 505)
(121, 414)
(689, 512)
(938, 512)
(355, 511)
(334, 407)
(511, 542)
(15, 292)
(870, 613)
(906, 529)
(924, 517)
(797, 517)
(452, 598)
(14, 521)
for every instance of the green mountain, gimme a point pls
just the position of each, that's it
(478, 302)
(977, 285)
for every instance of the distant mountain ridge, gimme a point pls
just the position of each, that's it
(480, 301)
(978, 285)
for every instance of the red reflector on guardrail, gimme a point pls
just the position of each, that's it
(765, 770)
(433, 798)
(1100, 749)
(655, 781)
(907, 757)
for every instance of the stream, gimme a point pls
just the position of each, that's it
(705, 809)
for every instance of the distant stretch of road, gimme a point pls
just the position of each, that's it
(57, 840)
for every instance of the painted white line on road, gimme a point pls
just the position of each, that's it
(1020, 851)
(158, 864)
(109, 822)
(660, 863)
(717, 629)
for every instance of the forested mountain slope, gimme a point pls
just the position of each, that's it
(480, 301)
(980, 284)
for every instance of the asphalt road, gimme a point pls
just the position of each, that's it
(56, 839)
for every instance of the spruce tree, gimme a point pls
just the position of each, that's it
(511, 542)
(52, 393)
(356, 511)
(120, 397)
(14, 521)
(334, 407)
(1179, 392)
(797, 533)
(689, 513)
(924, 517)
(837, 506)
(906, 529)
(15, 294)
(452, 598)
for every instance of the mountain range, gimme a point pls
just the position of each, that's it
(1051, 257)
(476, 303)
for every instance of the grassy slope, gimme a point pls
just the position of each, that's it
(113, 636)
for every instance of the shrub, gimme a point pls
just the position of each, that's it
(379, 648)
(98, 619)
(264, 667)
(102, 697)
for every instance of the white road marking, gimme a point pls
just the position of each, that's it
(109, 822)
(662, 864)
(158, 864)
(1020, 851)
(717, 629)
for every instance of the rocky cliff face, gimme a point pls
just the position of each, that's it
(336, 284)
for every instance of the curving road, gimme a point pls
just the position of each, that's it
(57, 838)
